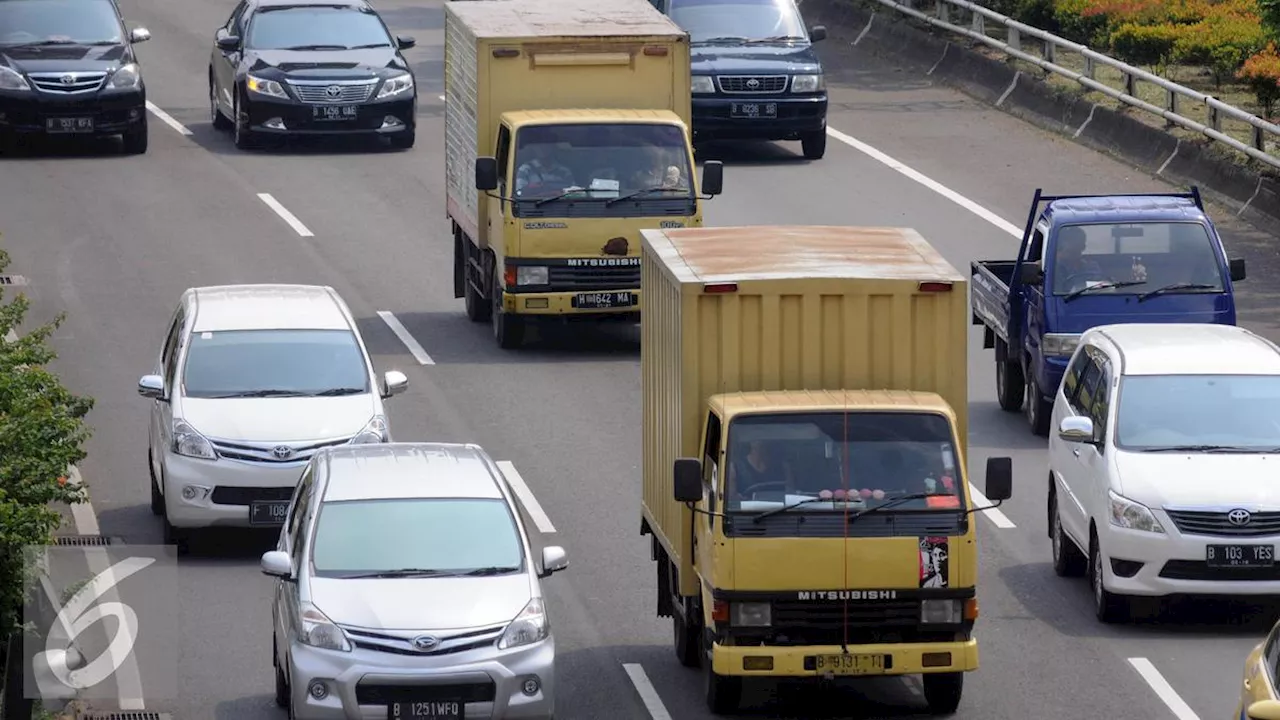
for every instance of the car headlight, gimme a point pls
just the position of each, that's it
(531, 275)
(375, 431)
(1126, 513)
(126, 78)
(1060, 344)
(529, 627)
(263, 86)
(188, 442)
(941, 612)
(318, 630)
(702, 85)
(807, 84)
(397, 85)
(12, 80)
(750, 614)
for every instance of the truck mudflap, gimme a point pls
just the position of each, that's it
(829, 661)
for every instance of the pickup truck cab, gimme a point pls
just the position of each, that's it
(1089, 260)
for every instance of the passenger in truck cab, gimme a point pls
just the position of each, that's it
(660, 172)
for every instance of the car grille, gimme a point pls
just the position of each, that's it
(376, 694)
(266, 452)
(1199, 570)
(328, 93)
(401, 643)
(57, 82)
(750, 84)
(1215, 522)
(231, 495)
(562, 277)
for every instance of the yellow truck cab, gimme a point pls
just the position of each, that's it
(566, 132)
(805, 430)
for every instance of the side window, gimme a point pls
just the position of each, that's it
(234, 25)
(1036, 250)
(711, 462)
(1101, 399)
(1071, 381)
(503, 156)
(173, 349)
(298, 520)
(1089, 380)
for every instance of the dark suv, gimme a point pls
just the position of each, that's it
(67, 68)
(755, 74)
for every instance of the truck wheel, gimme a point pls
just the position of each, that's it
(686, 642)
(1068, 561)
(814, 145)
(724, 692)
(508, 329)
(1038, 408)
(478, 308)
(1010, 385)
(942, 691)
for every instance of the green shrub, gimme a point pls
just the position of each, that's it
(1145, 44)
(1220, 42)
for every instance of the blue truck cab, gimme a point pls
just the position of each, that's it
(1089, 260)
(755, 73)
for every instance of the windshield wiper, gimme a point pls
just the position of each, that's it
(784, 508)
(567, 192)
(1210, 448)
(637, 193)
(401, 573)
(1100, 286)
(887, 504)
(485, 571)
(777, 38)
(336, 392)
(1175, 286)
(369, 46)
(726, 39)
(261, 394)
(317, 47)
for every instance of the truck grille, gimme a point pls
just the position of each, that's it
(326, 93)
(375, 694)
(67, 83)
(1206, 522)
(751, 84)
(561, 277)
(799, 622)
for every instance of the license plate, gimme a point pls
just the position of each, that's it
(849, 664)
(268, 512)
(604, 300)
(334, 112)
(1228, 556)
(69, 125)
(753, 110)
(426, 710)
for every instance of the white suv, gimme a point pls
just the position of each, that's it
(251, 381)
(1162, 469)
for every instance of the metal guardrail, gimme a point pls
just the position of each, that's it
(1176, 96)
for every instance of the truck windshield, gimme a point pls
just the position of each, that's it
(726, 21)
(1136, 258)
(1211, 413)
(592, 169)
(835, 461)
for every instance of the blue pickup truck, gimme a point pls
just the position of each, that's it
(1089, 260)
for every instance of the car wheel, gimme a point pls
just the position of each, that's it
(1037, 408)
(1068, 561)
(220, 121)
(814, 144)
(282, 680)
(1010, 385)
(1108, 606)
(242, 136)
(508, 329)
(942, 691)
(135, 139)
(157, 500)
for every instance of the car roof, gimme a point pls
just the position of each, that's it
(1190, 349)
(402, 471)
(268, 307)
(1124, 209)
(311, 3)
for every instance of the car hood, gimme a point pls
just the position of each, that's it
(1089, 311)
(1198, 479)
(325, 65)
(755, 59)
(66, 58)
(279, 419)
(422, 603)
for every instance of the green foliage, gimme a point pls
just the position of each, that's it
(1145, 44)
(1220, 42)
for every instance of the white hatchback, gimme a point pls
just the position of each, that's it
(1162, 467)
(251, 381)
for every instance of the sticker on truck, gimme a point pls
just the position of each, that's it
(935, 564)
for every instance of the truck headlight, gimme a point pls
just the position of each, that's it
(1126, 513)
(941, 612)
(807, 84)
(702, 85)
(531, 275)
(751, 614)
(1060, 344)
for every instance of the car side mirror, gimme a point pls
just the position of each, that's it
(394, 382)
(151, 386)
(1031, 274)
(404, 42)
(1076, 429)
(817, 33)
(999, 479)
(277, 563)
(688, 480)
(554, 560)
(486, 174)
(1236, 266)
(712, 177)
(1264, 710)
(140, 34)
(228, 43)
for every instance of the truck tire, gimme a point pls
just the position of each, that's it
(685, 639)
(1038, 408)
(942, 691)
(508, 329)
(724, 692)
(478, 308)
(1010, 385)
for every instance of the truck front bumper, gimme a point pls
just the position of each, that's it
(579, 303)
(900, 659)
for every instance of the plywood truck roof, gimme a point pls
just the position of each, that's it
(781, 252)
(560, 18)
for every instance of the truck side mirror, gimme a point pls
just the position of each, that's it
(486, 174)
(688, 480)
(1264, 710)
(999, 478)
(1031, 274)
(817, 33)
(712, 177)
(1237, 269)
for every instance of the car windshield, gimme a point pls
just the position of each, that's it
(601, 162)
(1225, 411)
(316, 28)
(59, 22)
(729, 20)
(244, 363)
(1137, 257)
(426, 536)
(776, 460)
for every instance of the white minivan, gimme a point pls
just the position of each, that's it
(1163, 465)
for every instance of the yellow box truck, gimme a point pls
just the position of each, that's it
(805, 422)
(566, 132)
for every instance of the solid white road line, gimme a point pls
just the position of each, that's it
(995, 515)
(648, 694)
(527, 499)
(167, 119)
(1163, 689)
(441, 98)
(285, 215)
(402, 332)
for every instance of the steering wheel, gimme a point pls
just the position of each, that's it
(1077, 280)
(751, 489)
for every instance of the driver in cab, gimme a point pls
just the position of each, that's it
(541, 172)
(1072, 265)
(759, 469)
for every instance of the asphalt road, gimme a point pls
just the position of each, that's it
(113, 241)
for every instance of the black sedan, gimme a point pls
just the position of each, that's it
(310, 67)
